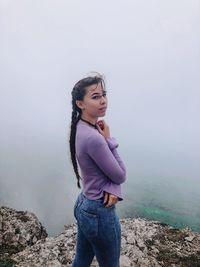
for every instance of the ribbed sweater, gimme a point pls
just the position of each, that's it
(102, 169)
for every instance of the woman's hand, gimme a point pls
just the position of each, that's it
(110, 199)
(103, 128)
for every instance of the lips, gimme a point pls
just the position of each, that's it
(103, 109)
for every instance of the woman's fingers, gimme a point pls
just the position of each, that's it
(106, 196)
(100, 130)
(104, 130)
(112, 199)
(101, 124)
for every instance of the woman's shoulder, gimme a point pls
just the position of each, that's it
(89, 135)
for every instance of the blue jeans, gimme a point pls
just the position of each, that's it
(99, 233)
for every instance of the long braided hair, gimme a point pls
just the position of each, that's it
(78, 93)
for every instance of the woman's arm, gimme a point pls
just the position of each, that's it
(104, 153)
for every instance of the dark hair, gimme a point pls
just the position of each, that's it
(78, 93)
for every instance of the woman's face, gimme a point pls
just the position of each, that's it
(94, 103)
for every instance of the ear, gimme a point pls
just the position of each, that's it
(79, 104)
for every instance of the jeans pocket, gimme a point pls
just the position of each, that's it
(75, 208)
(88, 223)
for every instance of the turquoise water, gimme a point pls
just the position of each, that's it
(173, 201)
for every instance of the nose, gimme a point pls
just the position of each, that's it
(103, 99)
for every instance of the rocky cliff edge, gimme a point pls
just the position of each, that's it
(24, 243)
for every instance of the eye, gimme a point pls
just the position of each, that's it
(96, 97)
(99, 96)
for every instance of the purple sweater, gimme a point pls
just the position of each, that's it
(101, 166)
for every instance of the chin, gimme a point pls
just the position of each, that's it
(102, 114)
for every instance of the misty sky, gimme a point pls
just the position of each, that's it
(149, 52)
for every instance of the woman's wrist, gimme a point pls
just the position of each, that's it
(112, 143)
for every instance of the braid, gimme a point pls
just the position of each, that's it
(72, 139)
(78, 93)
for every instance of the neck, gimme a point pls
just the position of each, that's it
(91, 124)
(90, 120)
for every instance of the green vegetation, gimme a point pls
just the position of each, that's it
(169, 258)
(6, 261)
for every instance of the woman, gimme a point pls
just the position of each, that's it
(102, 172)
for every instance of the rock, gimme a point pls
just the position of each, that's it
(125, 261)
(18, 229)
(144, 244)
(189, 238)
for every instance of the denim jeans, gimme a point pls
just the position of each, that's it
(99, 233)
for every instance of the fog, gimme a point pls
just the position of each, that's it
(149, 53)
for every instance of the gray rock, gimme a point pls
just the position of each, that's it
(144, 244)
(189, 238)
(125, 261)
(19, 229)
